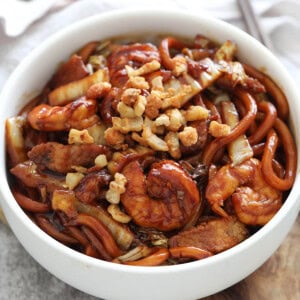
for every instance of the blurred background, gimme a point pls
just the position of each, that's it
(25, 24)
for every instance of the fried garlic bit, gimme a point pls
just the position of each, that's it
(97, 133)
(101, 161)
(113, 137)
(149, 112)
(163, 119)
(217, 129)
(144, 69)
(154, 104)
(116, 188)
(138, 82)
(172, 141)
(80, 137)
(195, 113)
(125, 125)
(188, 136)
(130, 96)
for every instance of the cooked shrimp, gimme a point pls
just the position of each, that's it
(226, 181)
(79, 114)
(166, 199)
(60, 158)
(257, 203)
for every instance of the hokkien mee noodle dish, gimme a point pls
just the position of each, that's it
(152, 152)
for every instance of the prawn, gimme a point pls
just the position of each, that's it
(166, 199)
(78, 114)
(257, 203)
(61, 158)
(254, 200)
(224, 183)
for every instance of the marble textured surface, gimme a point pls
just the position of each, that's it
(22, 278)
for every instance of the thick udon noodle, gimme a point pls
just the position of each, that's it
(152, 154)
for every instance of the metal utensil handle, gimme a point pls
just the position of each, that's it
(252, 23)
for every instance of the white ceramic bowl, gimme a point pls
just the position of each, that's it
(113, 281)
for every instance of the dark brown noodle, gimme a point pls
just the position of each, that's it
(167, 189)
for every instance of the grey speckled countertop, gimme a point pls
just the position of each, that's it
(22, 278)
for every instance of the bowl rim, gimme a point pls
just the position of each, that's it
(8, 198)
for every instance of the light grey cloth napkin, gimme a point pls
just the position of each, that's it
(24, 25)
